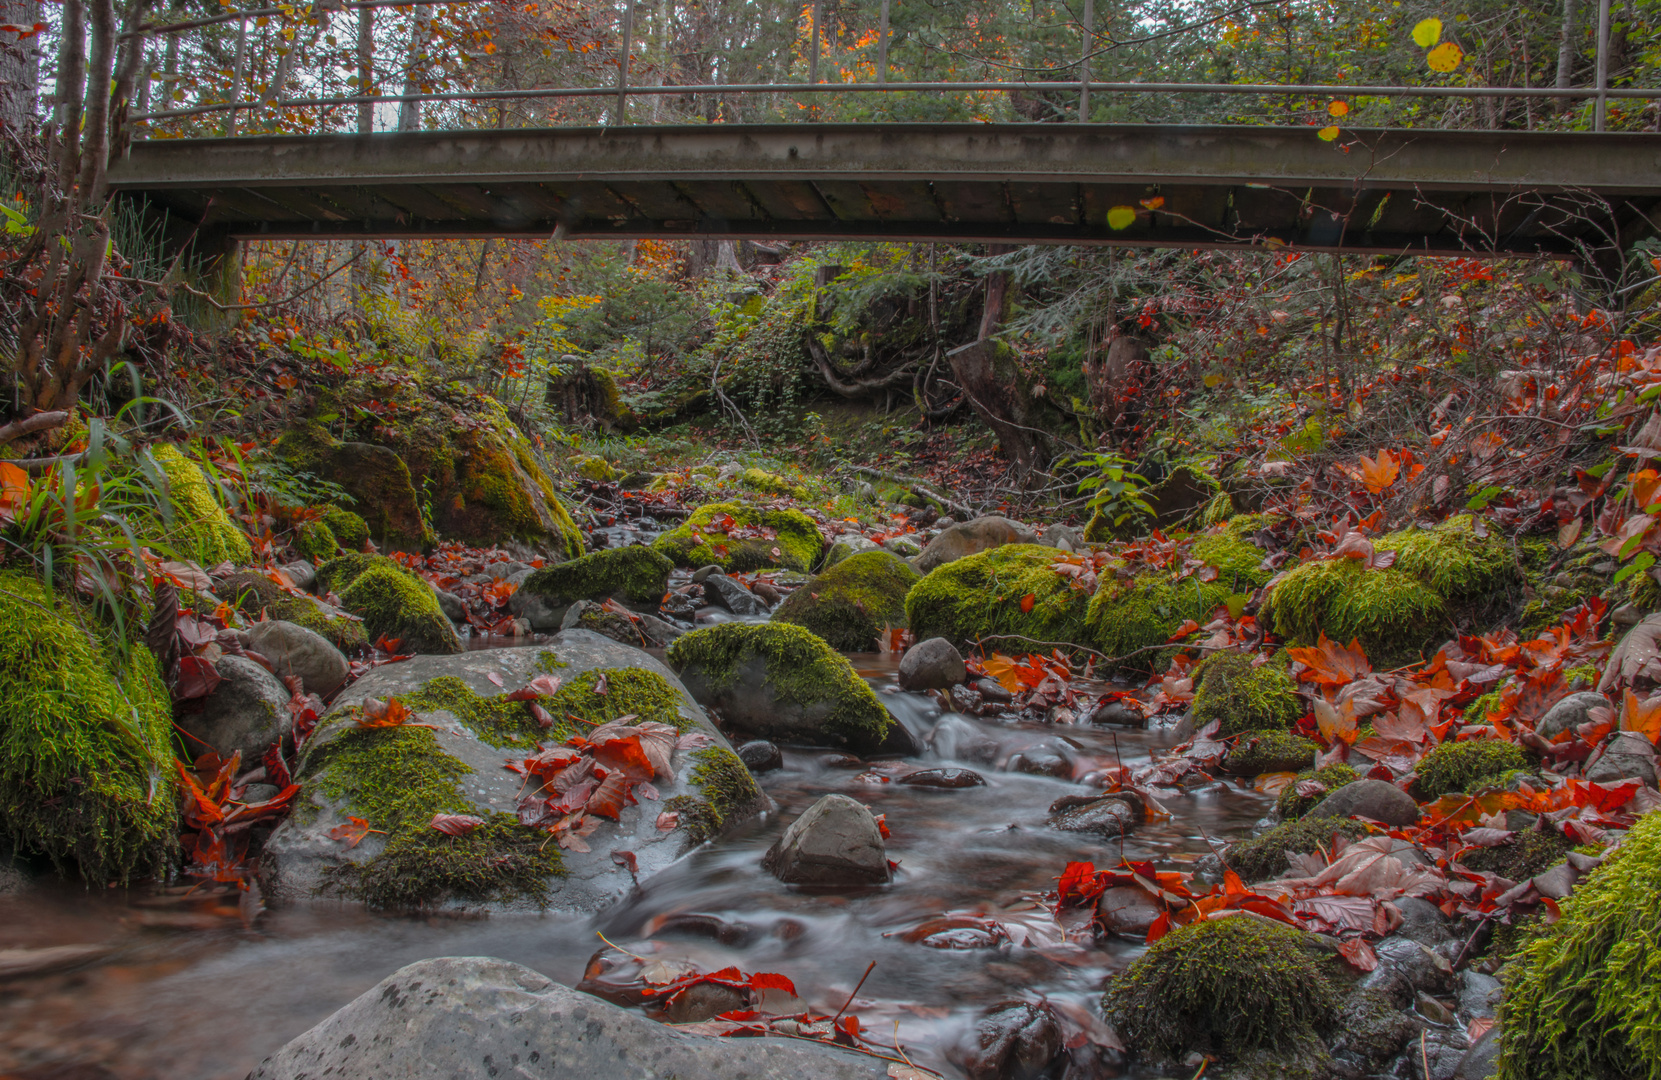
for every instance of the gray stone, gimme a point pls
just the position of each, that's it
(1422, 921)
(904, 546)
(932, 665)
(1404, 967)
(1444, 1050)
(848, 544)
(1116, 713)
(761, 756)
(258, 793)
(836, 843)
(302, 573)
(993, 690)
(1627, 755)
(1569, 713)
(1015, 1040)
(248, 711)
(294, 650)
(1479, 995)
(1481, 1061)
(1063, 538)
(1379, 800)
(1128, 911)
(723, 591)
(480, 1018)
(1047, 757)
(704, 573)
(452, 605)
(971, 538)
(300, 852)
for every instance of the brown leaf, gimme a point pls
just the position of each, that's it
(456, 824)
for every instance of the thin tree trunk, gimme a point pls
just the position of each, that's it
(409, 112)
(19, 66)
(1565, 52)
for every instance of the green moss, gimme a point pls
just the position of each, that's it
(726, 784)
(255, 593)
(399, 605)
(1452, 559)
(86, 742)
(208, 533)
(704, 538)
(1291, 805)
(314, 540)
(1238, 560)
(1257, 752)
(635, 573)
(1530, 852)
(1218, 510)
(700, 823)
(1225, 986)
(1393, 613)
(593, 467)
(1583, 999)
(849, 604)
(1229, 689)
(630, 691)
(348, 528)
(336, 574)
(980, 596)
(771, 483)
(801, 670)
(1478, 710)
(1454, 766)
(1127, 617)
(1264, 857)
(494, 720)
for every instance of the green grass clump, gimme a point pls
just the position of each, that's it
(208, 534)
(1292, 805)
(1454, 766)
(849, 604)
(1264, 857)
(1452, 559)
(980, 596)
(400, 605)
(636, 573)
(1224, 986)
(1227, 688)
(698, 541)
(1276, 750)
(1393, 613)
(1583, 999)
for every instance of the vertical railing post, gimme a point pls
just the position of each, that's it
(1084, 61)
(623, 63)
(1601, 112)
(366, 69)
(813, 49)
(882, 46)
(238, 71)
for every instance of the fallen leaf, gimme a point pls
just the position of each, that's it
(456, 824)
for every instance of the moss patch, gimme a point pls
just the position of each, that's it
(1257, 752)
(1241, 697)
(708, 537)
(1582, 999)
(1238, 560)
(771, 484)
(635, 573)
(1393, 613)
(315, 540)
(980, 596)
(255, 593)
(1291, 805)
(849, 604)
(1452, 559)
(1530, 852)
(699, 824)
(334, 575)
(208, 533)
(401, 606)
(726, 784)
(349, 529)
(1264, 857)
(1125, 617)
(1454, 765)
(1224, 986)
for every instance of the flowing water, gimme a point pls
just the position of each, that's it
(194, 989)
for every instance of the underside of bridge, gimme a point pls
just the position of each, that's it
(1370, 191)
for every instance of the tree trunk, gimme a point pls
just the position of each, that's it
(19, 66)
(990, 380)
(1565, 53)
(409, 112)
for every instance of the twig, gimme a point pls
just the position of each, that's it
(618, 947)
(31, 424)
(855, 990)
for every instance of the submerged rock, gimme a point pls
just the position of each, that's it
(247, 712)
(835, 843)
(944, 779)
(1109, 816)
(1013, 1040)
(971, 538)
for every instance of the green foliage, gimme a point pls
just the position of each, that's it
(979, 597)
(1291, 805)
(1229, 689)
(635, 573)
(401, 606)
(701, 540)
(849, 604)
(1264, 857)
(1392, 613)
(1453, 766)
(1117, 495)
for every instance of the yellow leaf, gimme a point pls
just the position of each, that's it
(1328, 134)
(1427, 33)
(1121, 217)
(1213, 380)
(1338, 108)
(1002, 668)
(1445, 57)
(1273, 783)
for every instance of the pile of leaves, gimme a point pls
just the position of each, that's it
(448, 567)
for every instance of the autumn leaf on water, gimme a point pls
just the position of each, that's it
(456, 824)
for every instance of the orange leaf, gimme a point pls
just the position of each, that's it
(1027, 601)
(1337, 722)
(1644, 717)
(1379, 474)
(1646, 487)
(608, 799)
(352, 832)
(1330, 664)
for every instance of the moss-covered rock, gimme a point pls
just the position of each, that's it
(633, 574)
(1264, 857)
(255, 594)
(349, 529)
(1258, 752)
(1226, 987)
(595, 468)
(374, 476)
(1291, 805)
(1238, 559)
(1242, 696)
(1530, 852)
(398, 605)
(774, 680)
(1129, 619)
(86, 742)
(206, 532)
(737, 538)
(315, 540)
(770, 483)
(1393, 613)
(979, 597)
(849, 604)
(1582, 998)
(1452, 559)
(1453, 766)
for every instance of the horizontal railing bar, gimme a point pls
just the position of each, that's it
(928, 87)
(265, 13)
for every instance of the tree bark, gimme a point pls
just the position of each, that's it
(1565, 53)
(19, 66)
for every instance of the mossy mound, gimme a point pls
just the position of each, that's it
(315, 540)
(86, 742)
(254, 593)
(636, 573)
(1582, 999)
(1243, 697)
(207, 532)
(374, 476)
(1223, 986)
(1453, 766)
(595, 468)
(1238, 560)
(1264, 857)
(1530, 852)
(629, 692)
(1452, 559)
(1393, 613)
(981, 596)
(764, 538)
(1129, 619)
(774, 677)
(334, 575)
(1291, 805)
(849, 604)
(770, 483)
(400, 606)
(1258, 752)
(350, 530)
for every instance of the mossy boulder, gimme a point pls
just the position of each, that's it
(254, 594)
(396, 604)
(349, 529)
(850, 604)
(738, 538)
(1529, 853)
(595, 468)
(374, 476)
(771, 483)
(1452, 558)
(315, 540)
(980, 597)
(777, 681)
(206, 533)
(1128, 620)
(336, 574)
(396, 779)
(1264, 857)
(1581, 997)
(1258, 752)
(1241, 695)
(86, 742)
(1393, 613)
(1225, 987)
(1290, 805)
(1460, 766)
(1237, 557)
(630, 575)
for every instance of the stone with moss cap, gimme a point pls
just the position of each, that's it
(1291, 805)
(1129, 620)
(1457, 766)
(1258, 752)
(206, 532)
(254, 593)
(349, 529)
(770, 483)
(1393, 613)
(773, 680)
(1234, 552)
(1454, 558)
(704, 538)
(631, 575)
(980, 597)
(1242, 695)
(849, 604)
(86, 743)
(397, 778)
(398, 605)
(1264, 857)
(315, 540)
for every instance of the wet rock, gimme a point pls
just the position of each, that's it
(965, 699)
(993, 690)
(1048, 758)
(1108, 816)
(478, 1018)
(1405, 966)
(1422, 921)
(760, 756)
(835, 843)
(704, 1001)
(247, 712)
(839, 761)
(1481, 1061)
(704, 573)
(1371, 1030)
(1063, 538)
(294, 650)
(1441, 1050)
(681, 606)
(958, 739)
(905, 547)
(723, 591)
(931, 665)
(1569, 713)
(971, 538)
(1015, 1040)
(1433, 1010)
(712, 927)
(899, 742)
(1379, 800)
(452, 606)
(952, 779)
(302, 573)
(1128, 911)
(1479, 995)
(257, 793)
(1116, 713)
(629, 575)
(1627, 755)
(769, 595)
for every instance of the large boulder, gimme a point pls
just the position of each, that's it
(972, 538)
(737, 538)
(306, 654)
(247, 712)
(374, 476)
(835, 843)
(776, 681)
(850, 604)
(395, 779)
(479, 1018)
(629, 575)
